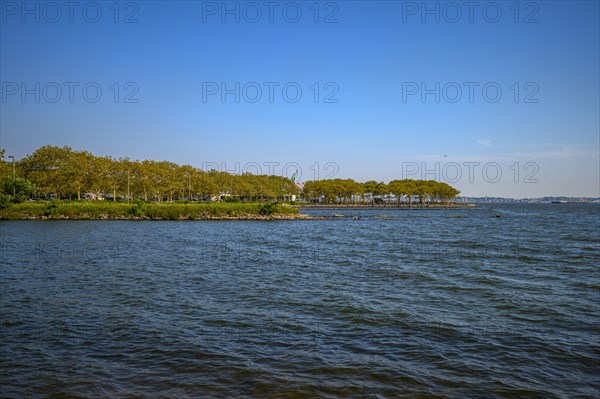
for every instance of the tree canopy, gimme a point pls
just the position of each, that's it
(60, 172)
(349, 191)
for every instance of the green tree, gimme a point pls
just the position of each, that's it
(398, 188)
(49, 170)
(100, 170)
(382, 189)
(79, 171)
(6, 168)
(18, 190)
(369, 189)
(65, 173)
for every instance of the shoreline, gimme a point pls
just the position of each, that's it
(391, 207)
(248, 217)
(81, 210)
(101, 210)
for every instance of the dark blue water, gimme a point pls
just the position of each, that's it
(428, 303)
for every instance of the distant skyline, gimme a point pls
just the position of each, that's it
(497, 100)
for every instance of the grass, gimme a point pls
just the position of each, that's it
(141, 210)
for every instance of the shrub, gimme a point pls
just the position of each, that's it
(4, 201)
(136, 209)
(22, 188)
(97, 209)
(267, 209)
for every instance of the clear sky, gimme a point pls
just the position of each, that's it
(461, 91)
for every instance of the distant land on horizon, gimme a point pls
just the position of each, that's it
(538, 200)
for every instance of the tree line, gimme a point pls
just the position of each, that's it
(62, 173)
(350, 191)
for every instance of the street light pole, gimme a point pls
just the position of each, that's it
(14, 176)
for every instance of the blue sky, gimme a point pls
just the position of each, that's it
(369, 61)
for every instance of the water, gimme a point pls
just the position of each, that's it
(428, 303)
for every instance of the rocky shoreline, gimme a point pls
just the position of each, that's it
(389, 206)
(83, 211)
(183, 218)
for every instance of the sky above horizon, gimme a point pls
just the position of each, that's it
(494, 98)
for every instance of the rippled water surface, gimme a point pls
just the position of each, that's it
(428, 303)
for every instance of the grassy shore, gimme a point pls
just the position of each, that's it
(105, 210)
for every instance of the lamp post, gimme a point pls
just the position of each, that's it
(14, 176)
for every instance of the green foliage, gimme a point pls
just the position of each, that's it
(123, 210)
(51, 210)
(136, 209)
(267, 209)
(19, 189)
(346, 191)
(65, 173)
(4, 201)
(333, 190)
